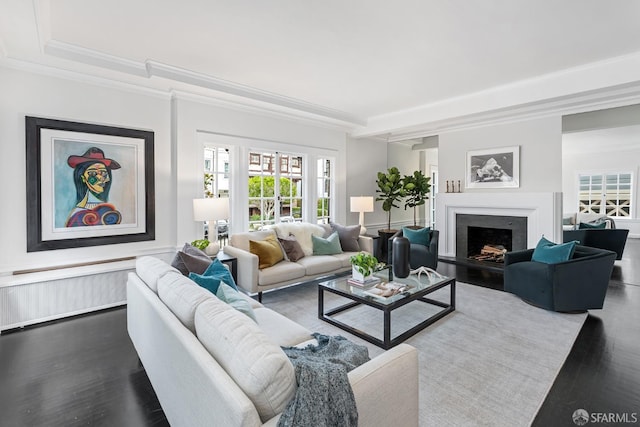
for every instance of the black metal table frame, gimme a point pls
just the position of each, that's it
(387, 342)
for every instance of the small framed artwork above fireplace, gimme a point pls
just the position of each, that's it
(493, 168)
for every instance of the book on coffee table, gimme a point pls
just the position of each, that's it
(369, 282)
(387, 289)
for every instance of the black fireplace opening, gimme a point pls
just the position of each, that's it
(485, 243)
(488, 237)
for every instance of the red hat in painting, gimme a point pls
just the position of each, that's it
(93, 154)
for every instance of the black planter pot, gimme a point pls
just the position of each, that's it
(400, 257)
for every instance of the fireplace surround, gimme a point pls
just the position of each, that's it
(543, 212)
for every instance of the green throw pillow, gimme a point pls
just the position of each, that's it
(328, 246)
(586, 225)
(232, 297)
(421, 236)
(550, 253)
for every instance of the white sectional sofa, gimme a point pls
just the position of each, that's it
(211, 365)
(254, 280)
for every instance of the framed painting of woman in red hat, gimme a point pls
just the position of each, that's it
(91, 184)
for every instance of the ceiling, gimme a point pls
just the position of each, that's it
(374, 66)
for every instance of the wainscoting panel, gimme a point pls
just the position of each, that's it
(24, 304)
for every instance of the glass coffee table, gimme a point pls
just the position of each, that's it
(415, 291)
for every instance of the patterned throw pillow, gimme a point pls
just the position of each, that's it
(328, 246)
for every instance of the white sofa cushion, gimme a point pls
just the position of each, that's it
(281, 272)
(241, 240)
(302, 231)
(182, 296)
(344, 258)
(151, 269)
(319, 264)
(281, 330)
(256, 364)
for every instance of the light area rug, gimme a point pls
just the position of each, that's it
(489, 363)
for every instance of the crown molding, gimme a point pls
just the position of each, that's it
(151, 68)
(595, 100)
(95, 58)
(42, 12)
(49, 71)
(262, 110)
(544, 91)
(203, 80)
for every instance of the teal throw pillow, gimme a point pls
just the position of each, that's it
(232, 297)
(421, 236)
(586, 225)
(212, 276)
(328, 246)
(550, 253)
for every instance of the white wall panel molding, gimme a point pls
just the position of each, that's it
(42, 11)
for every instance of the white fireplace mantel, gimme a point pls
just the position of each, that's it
(542, 210)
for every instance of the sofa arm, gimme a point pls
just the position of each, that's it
(387, 386)
(247, 268)
(366, 244)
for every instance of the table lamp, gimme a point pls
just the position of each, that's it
(211, 210)
(362, 204)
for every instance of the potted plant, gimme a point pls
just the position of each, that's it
(363, 265)
(206, 246)
(416, 188)
(391, 190)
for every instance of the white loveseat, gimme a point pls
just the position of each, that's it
(211, 365)
(254, 280)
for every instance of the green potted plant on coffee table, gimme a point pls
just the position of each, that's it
(363, 265)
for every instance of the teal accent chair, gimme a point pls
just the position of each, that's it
(419, 255)
(576, 285)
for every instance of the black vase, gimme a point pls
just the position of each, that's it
(400, 257)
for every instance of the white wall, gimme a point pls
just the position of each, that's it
(27, 94)
(366, 157)
(606, 150)
(540, 144)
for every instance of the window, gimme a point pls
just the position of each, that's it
(216, 172)
(606, 193)
(274, 195)
(324, 190)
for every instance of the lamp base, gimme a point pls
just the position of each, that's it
(363, 230)
(212, 249)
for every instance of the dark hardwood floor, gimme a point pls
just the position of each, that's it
(84, 371)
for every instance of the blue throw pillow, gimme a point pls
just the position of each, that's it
(550, 253)
(421, 236)
(587, 225)
(328, 246)
(234, 299)
(212, 276)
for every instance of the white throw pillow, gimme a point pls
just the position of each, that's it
(252, 360)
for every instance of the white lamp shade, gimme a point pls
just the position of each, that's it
(210, 209)
(362, 204)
